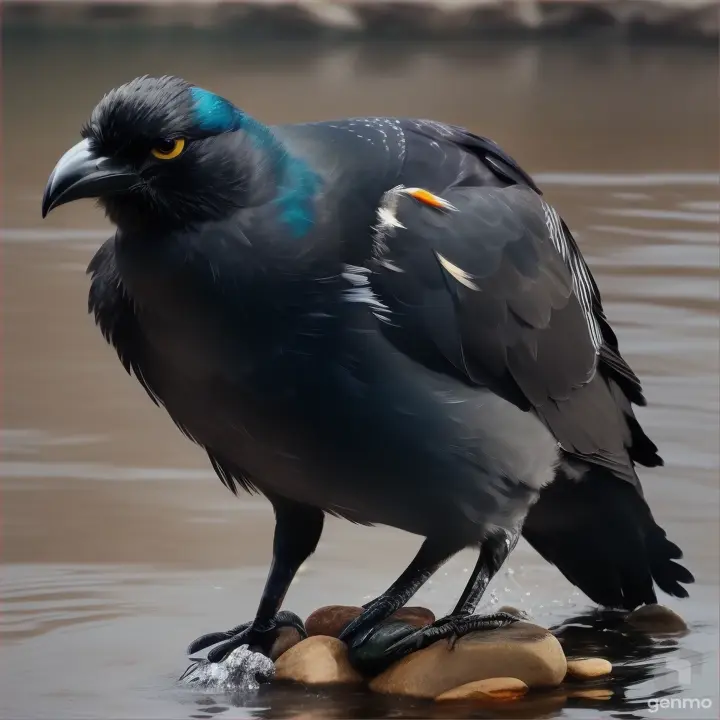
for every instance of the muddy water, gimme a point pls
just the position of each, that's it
(119, 546)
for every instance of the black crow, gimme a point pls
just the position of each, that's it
(377, 318)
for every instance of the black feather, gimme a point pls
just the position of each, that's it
(601, 535)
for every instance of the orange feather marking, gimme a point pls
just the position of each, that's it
(428, 198)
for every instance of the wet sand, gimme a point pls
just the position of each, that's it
(120, 546)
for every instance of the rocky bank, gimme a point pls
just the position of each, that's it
(409, 19)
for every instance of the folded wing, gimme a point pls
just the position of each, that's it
(482, 284)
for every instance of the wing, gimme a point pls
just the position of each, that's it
(454, 146)
(115, 316)
(480, 284)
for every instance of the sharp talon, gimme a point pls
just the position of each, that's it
(452, 640)
(189, 668)
(259, 638)
(360, 627)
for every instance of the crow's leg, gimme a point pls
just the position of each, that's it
(297, 532)
(493, 553)
(402, 641)
(431, 556)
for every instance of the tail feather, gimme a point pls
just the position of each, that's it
(601, 535)
(668, 575)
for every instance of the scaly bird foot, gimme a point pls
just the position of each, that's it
(392, 641)
(259, 638)
(365, 624)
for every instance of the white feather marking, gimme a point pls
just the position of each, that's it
(582, 284)
(389, 265)
(387, 219)
(387, 222)
(457, 272)
(361, 291)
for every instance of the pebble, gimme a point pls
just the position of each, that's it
(657, 619)
(286, 638)
(317, 660)
(522, 651)
(415, 616)
(330, 620)
(587, 668)
(497, 689)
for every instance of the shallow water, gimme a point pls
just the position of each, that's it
(119, 544)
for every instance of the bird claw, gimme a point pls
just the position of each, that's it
(364, 624)
(190, 669)
(390, 642)
(257, 638)
(451, 628)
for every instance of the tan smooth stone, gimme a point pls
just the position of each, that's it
(318, 660)
(586, 668)
(656, 619)
(490, 689)
(524, 651)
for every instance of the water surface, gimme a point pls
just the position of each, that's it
(119, 544)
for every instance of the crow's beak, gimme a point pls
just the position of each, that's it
(81, 173)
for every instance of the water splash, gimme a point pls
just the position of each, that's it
(242, 671)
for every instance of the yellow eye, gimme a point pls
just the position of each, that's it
(168, 149)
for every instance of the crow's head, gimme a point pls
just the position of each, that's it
(162, 152)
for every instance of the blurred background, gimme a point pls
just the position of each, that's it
(120, 546)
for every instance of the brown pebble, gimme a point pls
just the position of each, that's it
(331, 620)
(415, 616)
(286, 638)
(656, 620)
(522, 650)
(498, 689)
(317, 660)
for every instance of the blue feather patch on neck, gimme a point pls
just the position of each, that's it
(297, 183)
(297, 191)
(214, 113)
